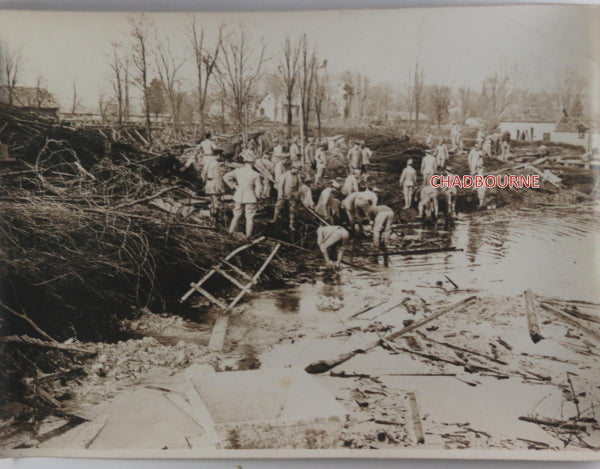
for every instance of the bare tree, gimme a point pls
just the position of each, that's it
(417, 91)
(288, 69)
(321, 84)
(466, 102)
(75, 103)
(119, 78)
(206, 61)
(238, 72)
(307, 68)
(168, 67)
(41, 91)
(496, 94)
(568, 92)
(140, 35)
(439, 97)
(12, 67)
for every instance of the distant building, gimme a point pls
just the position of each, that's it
(567, 130)
(529, 130)
(31, 99)
(275, 109)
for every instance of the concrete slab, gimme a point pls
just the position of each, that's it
(273, 408)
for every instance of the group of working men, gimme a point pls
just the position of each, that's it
(343, 208)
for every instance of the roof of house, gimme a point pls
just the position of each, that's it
(570, 124)
(29, 97)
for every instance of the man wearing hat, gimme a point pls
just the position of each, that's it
(305, 193)
(441, 154)
(354, 157)
(365, 160)
(248, 189)
(428, 167)
(208, 145)
(327, 207)
(213, 184)
(265, 167)
(476, 160)
(357, 204)
(309, 153)
(321, 161)
(277, 149)
(408, 179)
(294, 151)
(351, 183)
(288, 193)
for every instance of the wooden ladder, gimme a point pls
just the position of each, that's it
(250, 280)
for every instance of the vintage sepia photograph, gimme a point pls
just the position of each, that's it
(351, 233)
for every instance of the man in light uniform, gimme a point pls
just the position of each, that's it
(248, 189)
(332, 237)
(265, 167)
(441, 155)
(305, 193)
(365, 160)
(208, 145)
(382, 217)
(354, 157)
(408, 180)
(351, 183)
(321, 160)
(428, 167)
(294, 151)
(357, 204)
(213, 185)
(288, 194)
(326, 206)
(277, 149)
(309, 153)
(475, 159)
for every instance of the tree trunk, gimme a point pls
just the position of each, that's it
(289, 117)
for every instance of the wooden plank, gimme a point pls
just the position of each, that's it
(15, 339)
(571, 320)
(184, 406)
(232, 279)
(321, 366)
(416, 418)
(236, 269)
(217, 336)
(57, 375)
(203, 415)
(88, 433)
(209, 296)
(554, 423)
(196, 285)
(532, 319)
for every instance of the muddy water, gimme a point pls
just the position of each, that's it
(553, 251)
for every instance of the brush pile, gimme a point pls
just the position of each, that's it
(81, 245)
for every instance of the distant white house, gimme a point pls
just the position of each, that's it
(529, 130)
(566, 130)
(275, 109)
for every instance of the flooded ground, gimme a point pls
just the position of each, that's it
(472, 379)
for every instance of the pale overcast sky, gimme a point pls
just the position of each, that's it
(455, 46)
